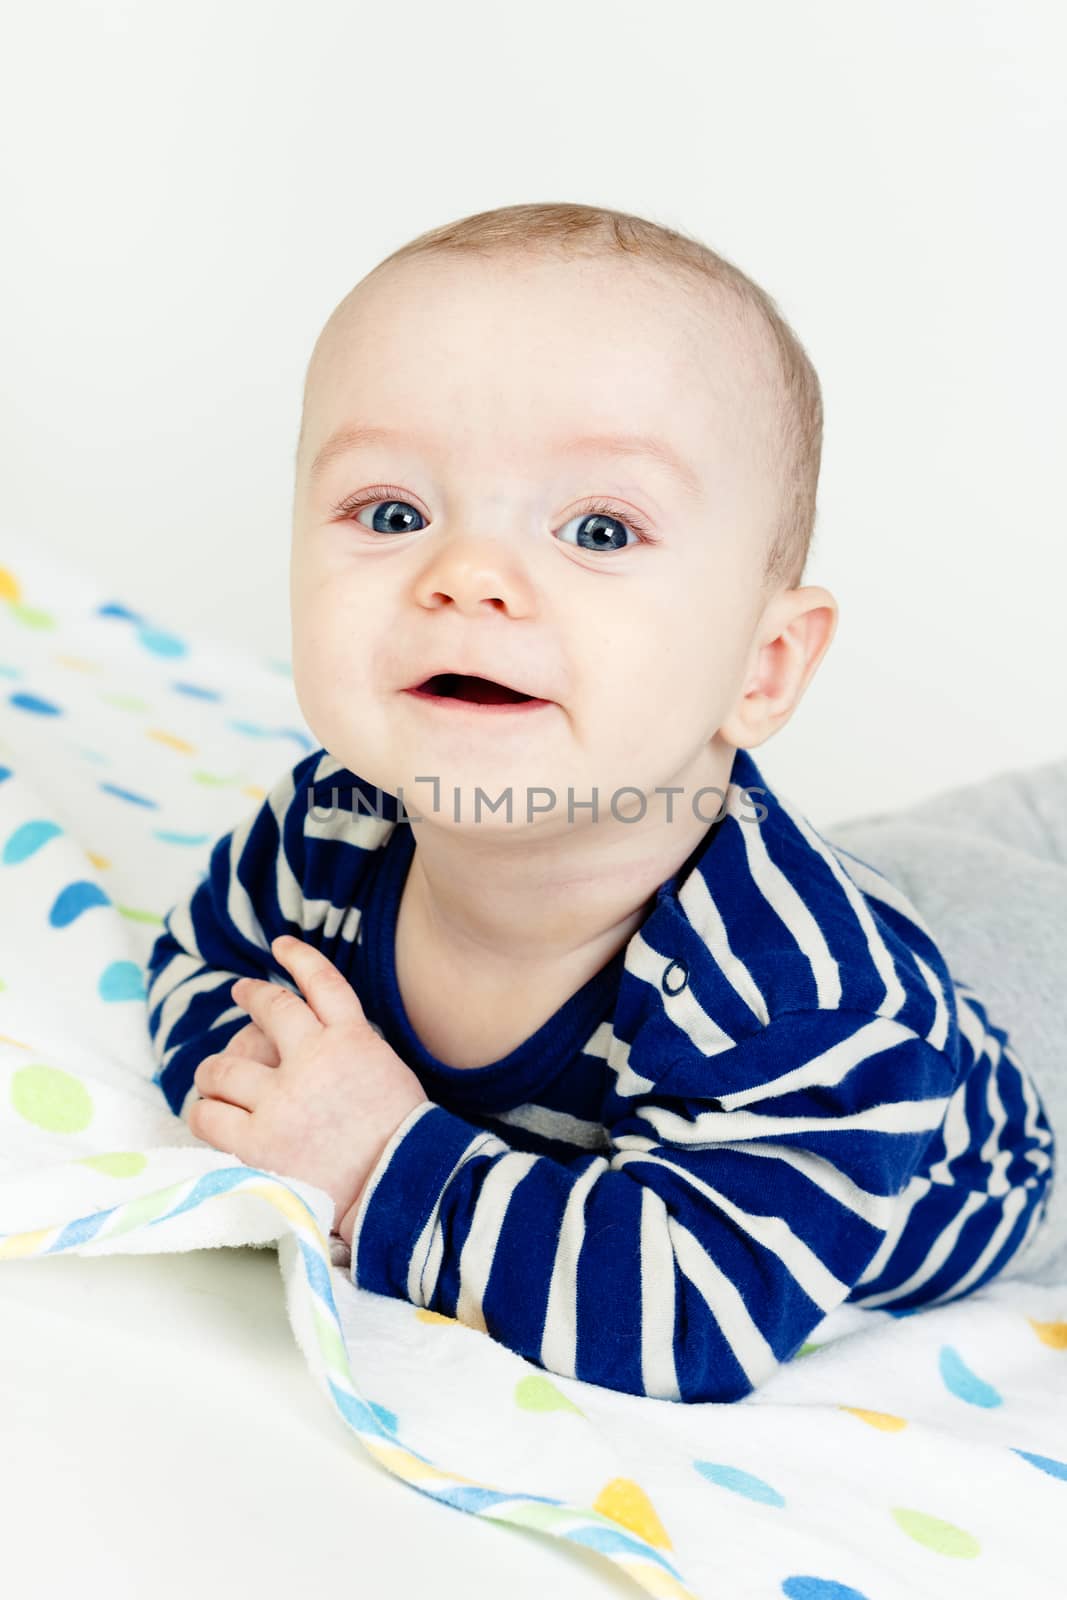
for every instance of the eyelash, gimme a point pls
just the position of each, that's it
(385, 491)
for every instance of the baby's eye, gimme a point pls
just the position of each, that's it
(597, 526)
(391, 516)
(593, 535)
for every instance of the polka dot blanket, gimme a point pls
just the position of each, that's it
(922, 1454)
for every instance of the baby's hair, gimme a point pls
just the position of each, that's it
(598, 230)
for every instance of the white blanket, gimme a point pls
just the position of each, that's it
(915, 1455)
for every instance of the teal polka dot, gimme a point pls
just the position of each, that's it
(963, 1383)
(161, 644)
(122, 980)
(28, 837)
(740, 1482)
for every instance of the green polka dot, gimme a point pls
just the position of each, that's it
(944, 1537)
(51, 1098)
(538, 1394)
(31, 616)
(139, 916)
(806, 1349)
(118, 1163)
(125, 702)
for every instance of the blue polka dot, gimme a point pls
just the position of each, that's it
(259, 732)
(197, 692)
(27, 838)
(169, 837)
(128, 794)
(33, 702)
(160, 643)
(6, 772)
(1049, 1464)
(115, 610)
(963, 1383)
(74, 899)
(740, 1482)
(122, 980)
(805, 1588)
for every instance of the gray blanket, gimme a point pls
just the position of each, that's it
(986, 867)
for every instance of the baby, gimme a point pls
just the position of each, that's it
(598, 1045)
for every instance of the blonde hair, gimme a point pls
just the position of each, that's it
(598, 230)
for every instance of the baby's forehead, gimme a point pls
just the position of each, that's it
(717, 385)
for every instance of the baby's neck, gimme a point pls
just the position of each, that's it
(548, 904)
(469, 1013)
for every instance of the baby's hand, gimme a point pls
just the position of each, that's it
(252, 1042)
(329, 1106)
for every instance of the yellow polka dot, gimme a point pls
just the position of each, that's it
(1053, 1334)
(171, 739)
(78, 663)
(878, 1419)
(423, 1315)
(254, 790)
(626, 1503)
(5, 1038)
(9, 585)
(51, 1098)
(98, 860)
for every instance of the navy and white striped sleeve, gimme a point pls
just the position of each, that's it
(250, 893)
(701, 1253)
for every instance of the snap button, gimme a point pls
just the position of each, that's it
(675, 978)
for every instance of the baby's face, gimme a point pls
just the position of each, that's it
(620, 589)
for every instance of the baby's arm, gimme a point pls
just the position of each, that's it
(704, 1251)
(222, 930)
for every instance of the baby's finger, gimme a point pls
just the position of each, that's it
(252, 1042)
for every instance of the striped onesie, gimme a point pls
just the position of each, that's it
(772, 1100)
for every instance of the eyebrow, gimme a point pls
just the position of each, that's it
(357, 436)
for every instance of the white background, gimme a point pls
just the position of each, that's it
(188, 190)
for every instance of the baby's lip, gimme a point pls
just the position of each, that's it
(426, 679)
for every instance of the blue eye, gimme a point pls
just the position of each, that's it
(390, 516)
(596, 536)
(396, 517)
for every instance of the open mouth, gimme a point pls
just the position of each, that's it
(480, 691)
